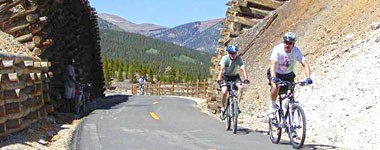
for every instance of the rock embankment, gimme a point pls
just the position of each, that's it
(343, 103)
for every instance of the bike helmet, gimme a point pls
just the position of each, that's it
(232, 49)
(290, 37)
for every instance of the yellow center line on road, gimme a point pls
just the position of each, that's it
(154, 116)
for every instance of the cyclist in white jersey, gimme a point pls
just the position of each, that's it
(282, 61)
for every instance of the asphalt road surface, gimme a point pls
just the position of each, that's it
(167, 123)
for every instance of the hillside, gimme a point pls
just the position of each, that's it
(158, 56)
(342, 50)
(198, 35)
(104, 24)
(206, 41)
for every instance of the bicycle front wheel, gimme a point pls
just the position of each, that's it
(227, 114)
(274, 127)
(297, 126)
(235, 115)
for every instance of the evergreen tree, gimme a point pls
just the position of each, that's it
(106, 71)
(125, 69)
(120, 73)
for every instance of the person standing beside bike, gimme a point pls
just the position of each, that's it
(69, 84)
(282, 61)
(228, 71)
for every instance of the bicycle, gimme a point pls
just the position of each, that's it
(291, 122)
(232, 110)
(141, 90)
(81, 98)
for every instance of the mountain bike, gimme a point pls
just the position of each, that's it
(82, 97)
(291, 119)
(232, 111)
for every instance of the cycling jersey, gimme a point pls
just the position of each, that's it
(231, 66)
(141, 81)
(286, 61)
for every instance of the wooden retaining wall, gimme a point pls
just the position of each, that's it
(24, 96)
(240, 14)
(55, 30)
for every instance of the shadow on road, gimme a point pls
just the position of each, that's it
(319, 146)
(110, 101)
(311, 146)
(244, 131)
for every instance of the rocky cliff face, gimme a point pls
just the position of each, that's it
(341, 47)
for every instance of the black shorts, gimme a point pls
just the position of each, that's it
(284, 77)
(231, 78)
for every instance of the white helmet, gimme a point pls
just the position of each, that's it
(290, 37)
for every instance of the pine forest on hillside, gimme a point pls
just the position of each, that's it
(127, 55)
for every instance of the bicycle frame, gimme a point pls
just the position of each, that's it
(232, 106)
(231, 91)
(81, 98)
(289, 94)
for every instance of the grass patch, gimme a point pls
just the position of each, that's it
(185, 59)
(153, 51)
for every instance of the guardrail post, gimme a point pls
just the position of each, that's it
(158, 88)
(204, 87)
(197, 88)
(172, 90)
(187, 88)
(134, 89)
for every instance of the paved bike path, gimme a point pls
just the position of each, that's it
(151, 122)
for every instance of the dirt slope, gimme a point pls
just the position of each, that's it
(336, 38)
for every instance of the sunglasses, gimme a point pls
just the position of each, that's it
(232, 53)
(288, 43)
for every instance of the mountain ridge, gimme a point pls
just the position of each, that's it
(182, 35)
(128, 26)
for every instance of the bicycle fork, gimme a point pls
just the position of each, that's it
(290, 127)
(231, 107)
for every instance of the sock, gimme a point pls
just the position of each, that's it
(274, 104)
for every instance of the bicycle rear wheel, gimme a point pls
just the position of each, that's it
(84, 107)
(235, 115)
(274, 127)
(297, 126)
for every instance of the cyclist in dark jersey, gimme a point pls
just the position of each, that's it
(228, 71)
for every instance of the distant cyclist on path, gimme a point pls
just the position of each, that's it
(141, 81)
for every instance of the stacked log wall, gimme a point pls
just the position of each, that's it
(24, 96)
(240, 14)
(53, 33)
(81, 45)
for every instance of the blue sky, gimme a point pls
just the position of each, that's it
(168, 13)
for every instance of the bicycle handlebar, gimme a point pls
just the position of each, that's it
(288, 83)
(230, 82)
(84, 84)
